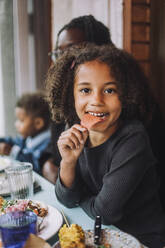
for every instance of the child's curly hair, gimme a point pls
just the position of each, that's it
(132, 84)
(35, 105)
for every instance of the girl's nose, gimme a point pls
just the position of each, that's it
(97, 98)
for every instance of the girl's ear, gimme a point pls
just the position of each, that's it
(39, 123)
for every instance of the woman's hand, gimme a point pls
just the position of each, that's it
(71, 143)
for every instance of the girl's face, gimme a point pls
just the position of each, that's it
(96, 93)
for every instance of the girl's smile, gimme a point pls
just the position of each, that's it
(96, 93)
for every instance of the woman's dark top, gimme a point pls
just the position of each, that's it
(52, 151)
(156, 133)
(117, 180)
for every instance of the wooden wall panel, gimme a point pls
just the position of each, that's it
(127, 25)
(140, 13)
(42, 26)
(136, 31)
(140, 33)
(141, 52)
(143, 33)
(141, 1)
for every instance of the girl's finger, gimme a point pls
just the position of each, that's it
(79, 127)
(70, 140)
(78, 134)
(66, 144)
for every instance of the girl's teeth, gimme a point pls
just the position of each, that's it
(97, 114)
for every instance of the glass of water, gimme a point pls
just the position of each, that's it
(16, 226)
(20, 180)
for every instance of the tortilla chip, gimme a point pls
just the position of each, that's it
(89, 121)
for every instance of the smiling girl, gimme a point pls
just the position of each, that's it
(109, 168)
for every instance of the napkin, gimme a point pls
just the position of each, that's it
(36, 242)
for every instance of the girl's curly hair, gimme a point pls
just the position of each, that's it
(134, 92)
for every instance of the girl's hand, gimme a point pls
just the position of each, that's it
(71, 143)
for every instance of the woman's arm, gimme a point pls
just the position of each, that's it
(50, 170)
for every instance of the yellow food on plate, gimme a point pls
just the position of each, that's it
(72, 236)
(1, 201)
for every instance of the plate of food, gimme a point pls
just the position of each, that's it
(75, 236)
(49, 218)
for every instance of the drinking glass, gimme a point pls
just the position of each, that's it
(16, 226)
(20, 180)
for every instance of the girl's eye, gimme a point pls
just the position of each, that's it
(84, 90)
(110, 91)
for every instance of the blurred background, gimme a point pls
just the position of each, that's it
(28, 30)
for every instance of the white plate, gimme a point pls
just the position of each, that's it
(5, 161)
(52, 223)
(117, 239)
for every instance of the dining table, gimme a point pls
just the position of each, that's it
(45, 194)
(73, 215)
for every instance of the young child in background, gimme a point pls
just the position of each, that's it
(32, 124)
(109, 168)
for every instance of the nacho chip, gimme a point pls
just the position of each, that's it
(89, 121)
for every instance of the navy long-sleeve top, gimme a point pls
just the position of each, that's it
(29, 149)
